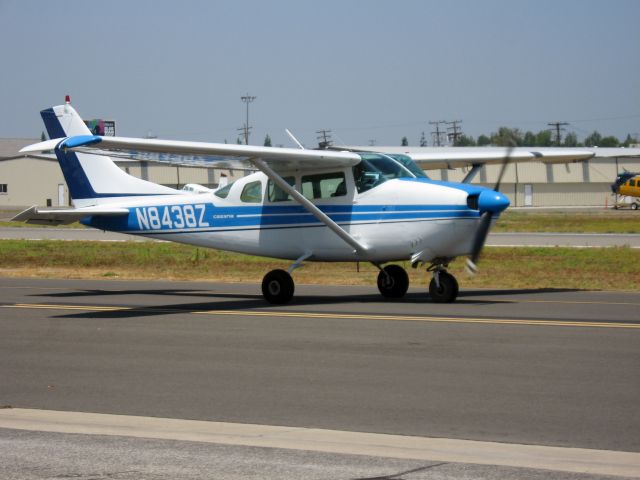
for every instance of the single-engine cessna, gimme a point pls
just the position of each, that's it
(299, 205)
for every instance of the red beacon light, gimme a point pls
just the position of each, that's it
(67, 99)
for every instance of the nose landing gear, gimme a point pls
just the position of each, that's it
(443, 287)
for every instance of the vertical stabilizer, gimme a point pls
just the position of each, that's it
(92, 179)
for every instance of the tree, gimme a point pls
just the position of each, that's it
(465, 141)
(593, 140)
(43, 137)
(404, 142)
(610, 142)
(544, 138)
(570, 140)
(629, 141)
(529, 139)
(483, 141)
(507, 137)
(238, 141)
(267, 141)
(423, 140)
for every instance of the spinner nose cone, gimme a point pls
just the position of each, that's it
(492, 201)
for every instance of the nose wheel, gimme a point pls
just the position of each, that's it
(443, 287)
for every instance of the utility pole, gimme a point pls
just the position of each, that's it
(437, 135)
(247, 99)
(324, 138)
(454, 132)
(558, 128)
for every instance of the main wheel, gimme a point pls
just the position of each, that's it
(393, 281)
(278, 287)
(447, 291)
(634, 206)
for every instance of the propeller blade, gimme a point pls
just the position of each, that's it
(485, 219)
(505, 163)
(478, 242)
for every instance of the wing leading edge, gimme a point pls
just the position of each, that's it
(219, 155)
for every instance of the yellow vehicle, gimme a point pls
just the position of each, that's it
(627, 184)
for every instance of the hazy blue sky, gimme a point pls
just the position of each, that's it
(365, 69)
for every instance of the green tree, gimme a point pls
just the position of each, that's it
(238, 141)
(570, 140)
(544, 138)
(593, 140)
(610, 142)
(404, 142)
(506, 137)
(465, 141)
(423, 140)
(43, 137)
(628, 141)
(529, 139)
(483, 141)
(267, 141)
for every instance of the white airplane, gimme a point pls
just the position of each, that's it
(300, 205)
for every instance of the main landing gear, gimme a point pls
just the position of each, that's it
(278, 287)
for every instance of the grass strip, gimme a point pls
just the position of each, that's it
(613, 268)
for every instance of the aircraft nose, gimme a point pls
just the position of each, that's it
(492, 201)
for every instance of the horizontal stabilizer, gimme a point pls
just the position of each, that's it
(41, 146)
(65, 216)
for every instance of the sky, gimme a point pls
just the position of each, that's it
(366, 70)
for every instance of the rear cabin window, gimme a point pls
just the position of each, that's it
(276, 194)
(324, 185)
(252, 192)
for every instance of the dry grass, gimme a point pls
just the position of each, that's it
(593, 268)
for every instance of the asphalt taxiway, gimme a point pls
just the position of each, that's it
(551, 369)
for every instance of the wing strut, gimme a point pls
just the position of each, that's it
(315, 211)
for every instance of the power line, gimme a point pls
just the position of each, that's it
(438, 134)
(454, 131)
(324, 138)
(558, 127)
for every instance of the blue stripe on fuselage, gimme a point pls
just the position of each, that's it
(206, 216)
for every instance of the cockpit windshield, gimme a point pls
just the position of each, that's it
(375, 169)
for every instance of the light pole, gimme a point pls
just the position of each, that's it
(247, 99)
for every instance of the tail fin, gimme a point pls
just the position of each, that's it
(92, 179)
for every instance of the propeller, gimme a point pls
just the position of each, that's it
(490, 203)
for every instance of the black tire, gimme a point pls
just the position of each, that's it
(394, 283)
(278, 287)
(448, 290)
(634, 206)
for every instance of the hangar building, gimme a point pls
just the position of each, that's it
(27, 181)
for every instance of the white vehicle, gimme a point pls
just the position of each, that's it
(301, 205)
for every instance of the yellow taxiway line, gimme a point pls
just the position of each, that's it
(331, 316)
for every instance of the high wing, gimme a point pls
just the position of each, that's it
(64, 216)
(219, 155)
(432, 158)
